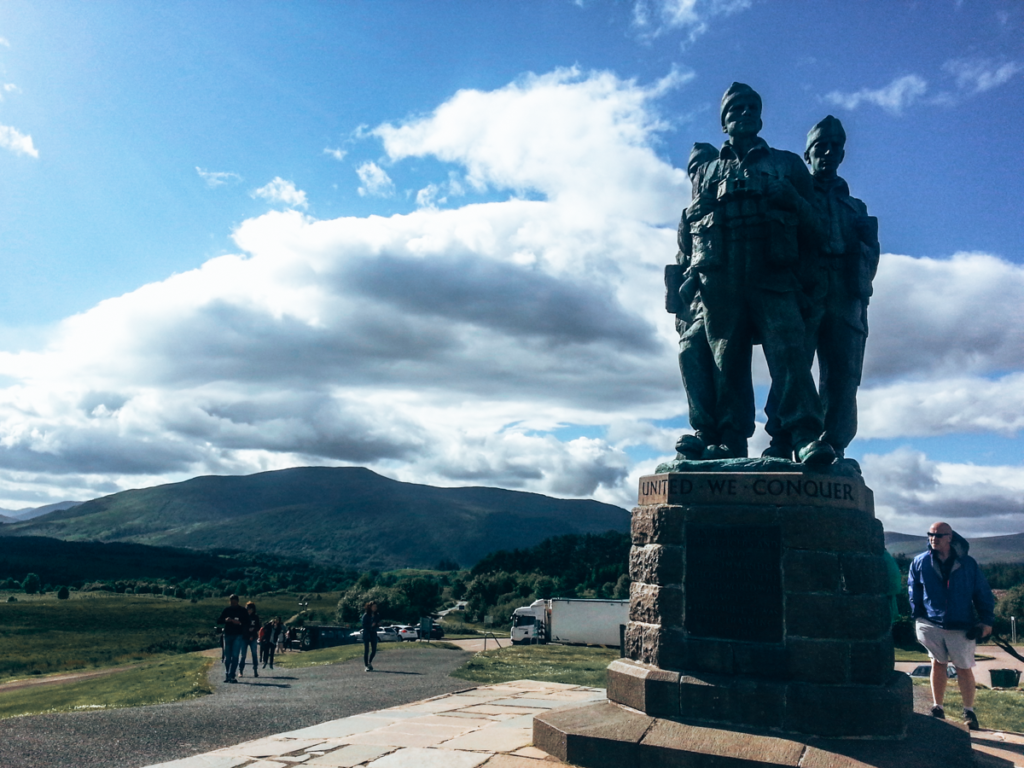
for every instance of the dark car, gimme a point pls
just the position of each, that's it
(925, 670)
(436, 633)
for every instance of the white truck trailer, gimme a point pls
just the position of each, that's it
(570, 621)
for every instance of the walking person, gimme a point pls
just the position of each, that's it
(371, 621)
(264, 641)
(281, 637)
(252, 630)
(235, 620)
(946, 587)
(274, 634)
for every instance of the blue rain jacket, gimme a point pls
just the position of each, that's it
(949, 604)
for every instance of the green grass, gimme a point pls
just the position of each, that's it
(155, 682)
(342, 653)
(40, 635)
(550, 663)
(908, 654)
(996, 710)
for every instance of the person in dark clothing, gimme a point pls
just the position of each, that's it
(235, 620)
(371, 621)
(273, 634)
(252, 631)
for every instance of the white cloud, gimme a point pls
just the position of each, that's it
(894, 97)
(215, 179)
(375, 181)
(912, 492)
(542, 134)
(4, 42)
(19, 143)
(450, 345)
(939, 318)
(691, 16)
(337, 154)
(980, 75)
(281, 191)
(434, 195)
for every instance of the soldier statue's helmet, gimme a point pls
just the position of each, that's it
(700, 154)
(829, 127)
(735, 91)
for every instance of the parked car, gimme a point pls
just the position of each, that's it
(925, 670)
(408, 632)
(384, 635)
(436, 633)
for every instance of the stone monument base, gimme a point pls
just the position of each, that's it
(609, 735)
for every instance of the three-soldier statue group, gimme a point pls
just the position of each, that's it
(771, 254)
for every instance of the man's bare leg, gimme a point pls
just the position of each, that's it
(965, 680)
(938, 679)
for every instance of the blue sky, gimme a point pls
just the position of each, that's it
(428, 239)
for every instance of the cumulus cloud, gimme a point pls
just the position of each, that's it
(216, 179)
(336, 153)
(893, 98)
(912, 492)
(542, 133)
(281, 191)
(454, 345)
(375, 181)
(17, 142)
(980, 75)
(945, 317)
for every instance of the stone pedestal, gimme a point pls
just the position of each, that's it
(758, 607)
(759, 599)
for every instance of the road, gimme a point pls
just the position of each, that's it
(1000, 660)
(284, 699)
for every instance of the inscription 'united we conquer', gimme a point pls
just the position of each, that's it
(752, 488)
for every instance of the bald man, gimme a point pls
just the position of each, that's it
(946, 587)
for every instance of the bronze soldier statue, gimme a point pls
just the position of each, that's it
(752, 221)
(838, 324)
(696, 362)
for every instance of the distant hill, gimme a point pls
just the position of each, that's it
(347, 516)
(27, 513)
(69, 562)
(989, 549)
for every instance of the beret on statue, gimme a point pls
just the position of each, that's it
(736, 90)
(829, 127)
(700, 154)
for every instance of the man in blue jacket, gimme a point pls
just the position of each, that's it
(946, 588)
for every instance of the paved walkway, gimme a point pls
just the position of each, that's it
(490, 726)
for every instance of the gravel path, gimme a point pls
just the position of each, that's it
(281, 700)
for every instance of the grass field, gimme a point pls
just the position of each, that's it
(155, 682)
(907, 654)
(551, 663)
(346, 652)
(996, 710)
(40, 635)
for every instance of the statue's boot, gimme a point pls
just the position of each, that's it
(732, 446)
(690, 447)
(815, 453)
(778, 450)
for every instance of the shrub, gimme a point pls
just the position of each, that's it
(63, 593)
(31, 584)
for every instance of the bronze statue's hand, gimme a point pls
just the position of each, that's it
(782, 193)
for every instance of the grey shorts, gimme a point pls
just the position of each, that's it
(946, 645)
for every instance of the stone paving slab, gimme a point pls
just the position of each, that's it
(490, 726)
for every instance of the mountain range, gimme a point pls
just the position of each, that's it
(987, 549)
(27, 513)
(346, 516)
